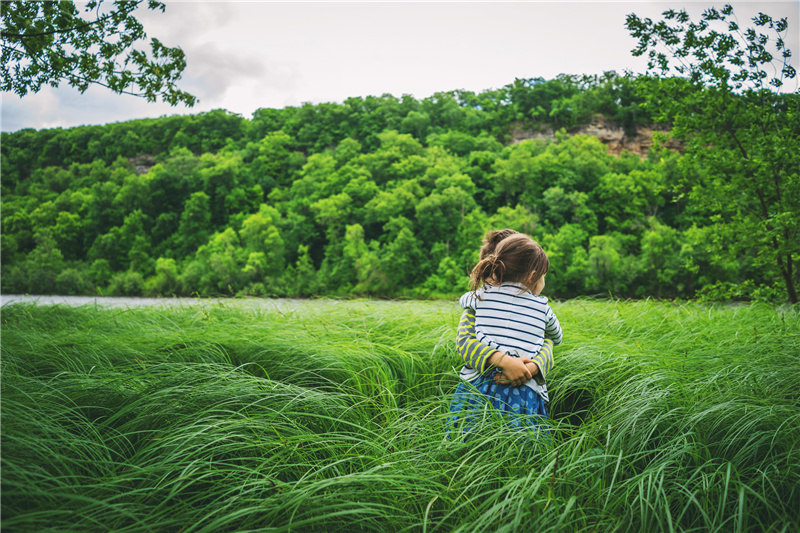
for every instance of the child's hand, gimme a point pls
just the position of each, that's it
(533, 367)
(514, 371)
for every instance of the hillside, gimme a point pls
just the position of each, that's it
(377, 196)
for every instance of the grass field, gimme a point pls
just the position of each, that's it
(331, 417)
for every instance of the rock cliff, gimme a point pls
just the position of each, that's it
(610, 134)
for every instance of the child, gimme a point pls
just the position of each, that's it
(482, 357)
(512, 318)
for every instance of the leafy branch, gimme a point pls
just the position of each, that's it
(53, 42)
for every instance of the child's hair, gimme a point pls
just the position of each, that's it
(515, 258)
(493, 238)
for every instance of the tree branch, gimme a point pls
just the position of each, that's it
(68, 30)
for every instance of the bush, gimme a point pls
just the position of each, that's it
(100, 272)
(14, 280)
(747, 291)
(72, 282)
(127, 283)
(166, 280)
(254, 289)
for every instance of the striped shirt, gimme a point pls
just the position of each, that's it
(476, 354)
(512, 320)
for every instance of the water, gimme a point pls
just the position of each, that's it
(281, 304)
(116, 301)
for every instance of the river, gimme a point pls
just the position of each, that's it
(118, 301)
(126, 302)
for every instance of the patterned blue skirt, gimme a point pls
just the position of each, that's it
(521, 409)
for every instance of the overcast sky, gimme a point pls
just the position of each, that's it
(245, 55)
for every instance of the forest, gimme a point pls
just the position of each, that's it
(389, 197)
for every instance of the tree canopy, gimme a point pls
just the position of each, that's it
(47, 43)
(742, 135)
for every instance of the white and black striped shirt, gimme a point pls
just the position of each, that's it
(511, 319)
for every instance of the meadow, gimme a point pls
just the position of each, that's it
(330, 416)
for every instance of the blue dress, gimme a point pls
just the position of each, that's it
(522, 409)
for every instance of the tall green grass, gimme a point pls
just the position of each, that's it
(331, 417)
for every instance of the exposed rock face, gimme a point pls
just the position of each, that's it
(142, 163)
(610, 134)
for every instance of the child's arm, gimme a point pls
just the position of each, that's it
(473, 352)
(469, 300)
(542, 361)
(552, 328)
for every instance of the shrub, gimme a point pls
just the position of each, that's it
(126, 283)
(72, 282)
(747, 291)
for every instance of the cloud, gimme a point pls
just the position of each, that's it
(221, 46)
(183, 23)
(211, 72)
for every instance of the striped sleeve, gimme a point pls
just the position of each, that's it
(553, 329)
(469, 300)
(544, 360)
(473, 352)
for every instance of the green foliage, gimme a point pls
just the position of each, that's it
(166, 281)
(195, 223)
(569, 261)
(50, 42)
(126, 283)
(741, 135)
(723, 291)
(72, 282)
(376, 196)
(37, 274)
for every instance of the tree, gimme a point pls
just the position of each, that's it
(718, 84)
(627, 200)
(195, 224)
(568, 260)
(441, 214)
(260, 235)
(218, 263)
(52, 42)
(660, 264)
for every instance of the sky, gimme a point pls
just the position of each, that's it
(242, 56)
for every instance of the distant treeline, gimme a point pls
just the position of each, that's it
(378, 196)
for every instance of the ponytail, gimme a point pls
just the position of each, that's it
(491, 268)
